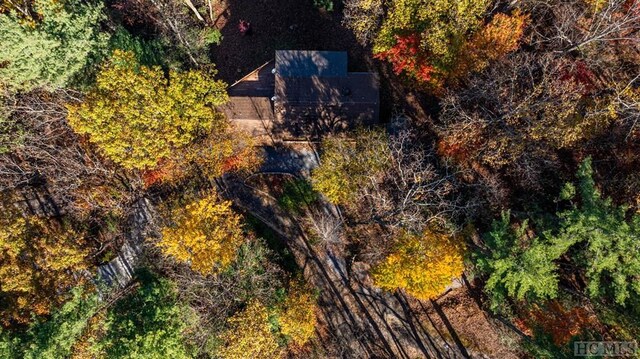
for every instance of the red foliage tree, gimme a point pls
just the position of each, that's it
(406, 56)
(579, 74)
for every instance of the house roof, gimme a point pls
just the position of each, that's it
(353, 88)
(309, 93)
(316, 85)
(299, 63)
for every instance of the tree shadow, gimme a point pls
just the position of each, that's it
(450, 329)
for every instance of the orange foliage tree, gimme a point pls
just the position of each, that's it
(561, 323)
(421, 265)
(216, 154)
(499, 37)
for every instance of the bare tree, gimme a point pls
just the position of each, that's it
(325, 224)
(38, 150)
(626, 100)
(214, 298)
(364, 18)
(413, 192)
(179, 20)
(571, 25)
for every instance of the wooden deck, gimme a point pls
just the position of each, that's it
(249, 107)
(251, 114)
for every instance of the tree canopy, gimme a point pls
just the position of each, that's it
(297, 318)
(147, 324)
(138, 117)
(40, 261)
(602, 240)
(206, 234)
(250, 335)
(423, 265)
(53, 47)
(438, 41)
(606, 239)
(520, 266)
(56, 336)
(346, 166)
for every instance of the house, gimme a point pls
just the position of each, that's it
(302, 94)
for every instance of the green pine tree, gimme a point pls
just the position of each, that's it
(519, 266)
(146, 324)
(599, 237)
(609, 241)
(54, 337)
(52, 49)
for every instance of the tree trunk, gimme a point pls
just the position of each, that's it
(193, 8)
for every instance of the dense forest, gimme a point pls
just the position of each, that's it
(492, 211)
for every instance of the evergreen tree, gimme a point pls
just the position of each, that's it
(519, 266)
(55, 337)
(597, 233)
(608, 244)
(146, 324)
(52, 48)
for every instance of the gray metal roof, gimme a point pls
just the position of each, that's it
(356, 87)
(297, 63)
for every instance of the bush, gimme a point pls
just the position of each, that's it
(211, 36)
(297, 193)
(147, 52)
(323, 4)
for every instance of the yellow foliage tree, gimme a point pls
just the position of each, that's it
(298, 317)
(249, 335)
(39, 262)
(421, 265)
(138, 117)
(346, 165)
(206, 234)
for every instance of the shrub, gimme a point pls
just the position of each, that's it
(297, 194)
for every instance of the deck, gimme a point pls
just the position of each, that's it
(249, 107)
